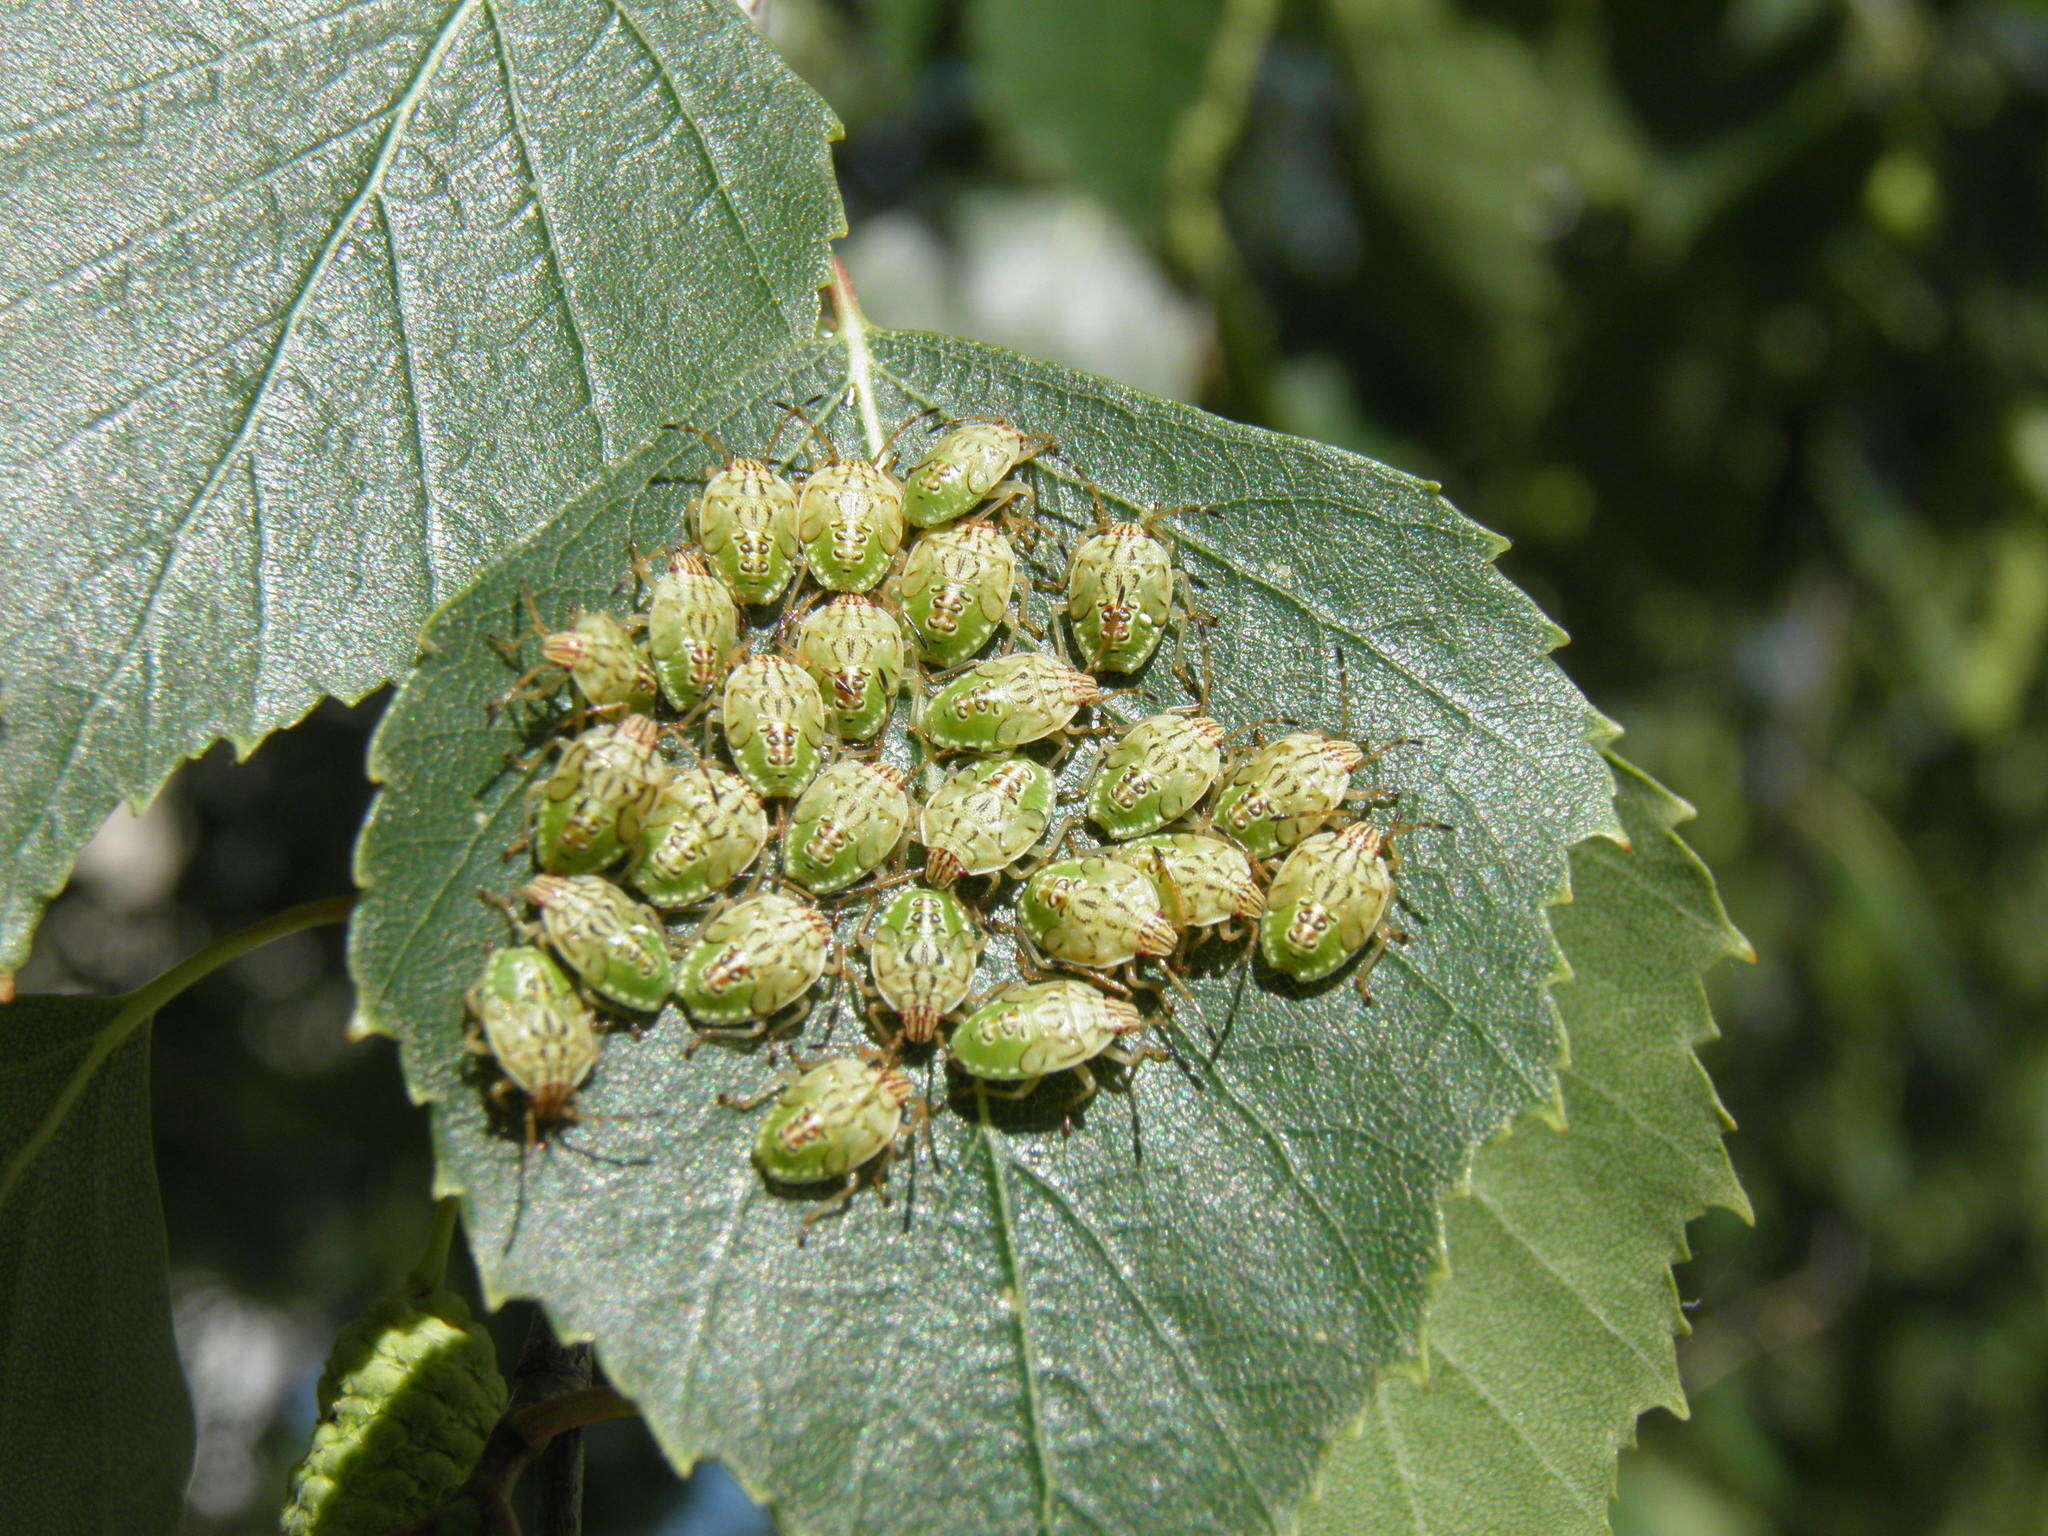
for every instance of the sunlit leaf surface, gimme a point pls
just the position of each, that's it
(1057, 1334)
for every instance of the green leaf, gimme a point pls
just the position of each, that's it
(1100, 92)
(310, 309)
(1482, 148)
(904, 33)
(1063, 1334)
(1553, 1331)
(93, 1408)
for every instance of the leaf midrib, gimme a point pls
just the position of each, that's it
(720, 190)
(1171, 1341)
(501, 48)
(1020, 1308)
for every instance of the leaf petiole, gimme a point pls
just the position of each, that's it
(432, 1270)
(852, 326)
(142, 1004)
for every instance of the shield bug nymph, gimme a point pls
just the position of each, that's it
(1025, 1033)
(849, 520)
(596, 653)
(1281, 791)
(1203, 882)
(617, 946)
(854, 648)
(852, 818)
(1287, 789)
(754, 959)
(832, 1119)
(1156, 774)
(922, 952)
(958, 585)
(1096, 913)
(984, 818)
(746, 522)
(1005, 703)
(693, 627)
(1123, 592)
(540, 1033)
(1333, 897)
(591, 808)
(532, 1022)
(704, 830)
(774, 719)
(968, 464)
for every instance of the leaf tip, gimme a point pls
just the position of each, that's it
(1549, 1111)
(362, 1027)
(1735, 1199)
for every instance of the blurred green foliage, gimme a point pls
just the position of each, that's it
(1734, 315)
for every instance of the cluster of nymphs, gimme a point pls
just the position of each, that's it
(743, 851)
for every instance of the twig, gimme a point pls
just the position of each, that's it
(555, 1371)
(516, 1442)
(1197, 235)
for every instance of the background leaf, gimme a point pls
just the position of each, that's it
(1485, 149)
(312, 308)
(1211, 1315)
(1553, 1330)
(1099, 91)
(93, 1410)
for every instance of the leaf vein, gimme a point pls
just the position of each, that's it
(19, 132)
(757, 267)
(715, 1268)
(1176, 1347)
(1402, 1477)
(522, 144)
(120, 408)
(1484, 1201)
(1616, 862)
(323, 259)
(1518, 1068)
(1020, 1309)
(1707, 1163)
(1588, 1507)
(429, 521)
(217, 198)
(1277, 1145)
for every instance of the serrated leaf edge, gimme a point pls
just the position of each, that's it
(1673, 812)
